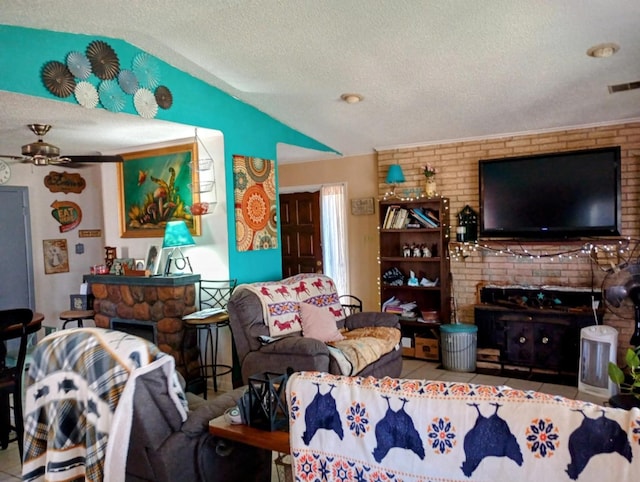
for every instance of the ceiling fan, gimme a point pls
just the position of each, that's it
(42, 153)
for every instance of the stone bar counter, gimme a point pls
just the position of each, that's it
(162, 300)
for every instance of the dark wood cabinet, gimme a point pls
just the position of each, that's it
(395, 239)
(541, 339)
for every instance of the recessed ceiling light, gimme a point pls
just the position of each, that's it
(603, 50)
(351, 98)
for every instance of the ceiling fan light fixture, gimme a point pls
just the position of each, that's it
(602, 51)
(352, 98)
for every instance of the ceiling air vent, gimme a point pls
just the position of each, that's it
(622, 87)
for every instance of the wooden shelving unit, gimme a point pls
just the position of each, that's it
(394, 240)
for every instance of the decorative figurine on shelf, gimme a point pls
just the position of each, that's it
(415, 249)
(426, 252)
(413, 281)
(406, 251)
(427, 283)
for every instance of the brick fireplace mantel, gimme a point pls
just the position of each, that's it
(163, 300)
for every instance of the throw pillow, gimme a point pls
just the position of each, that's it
(319, 323)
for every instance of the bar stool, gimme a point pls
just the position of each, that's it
(214, 295)
(76, 315)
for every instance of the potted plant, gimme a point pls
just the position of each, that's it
(628, 383)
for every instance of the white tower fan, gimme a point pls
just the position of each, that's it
(598, 346)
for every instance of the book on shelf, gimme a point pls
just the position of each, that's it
(401, 219)
(423, 219)
(432, 215)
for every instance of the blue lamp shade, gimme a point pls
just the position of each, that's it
(177, 235)
(395, 174)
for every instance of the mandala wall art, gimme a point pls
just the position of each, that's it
(255, 203)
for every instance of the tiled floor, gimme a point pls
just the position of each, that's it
(10, 462)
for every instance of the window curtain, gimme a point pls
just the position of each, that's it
(334, 235)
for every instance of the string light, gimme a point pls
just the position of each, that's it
(617, 253)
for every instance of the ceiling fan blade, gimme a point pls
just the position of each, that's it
(13, 158)
(95, 158)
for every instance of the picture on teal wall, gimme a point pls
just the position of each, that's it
(254, 203)
(155, 187)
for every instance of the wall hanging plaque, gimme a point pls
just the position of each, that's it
(67, 213)
(64, 182)
(56, 256)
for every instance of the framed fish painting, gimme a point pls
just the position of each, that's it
(155, 187)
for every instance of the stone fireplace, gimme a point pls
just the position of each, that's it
(162, 300)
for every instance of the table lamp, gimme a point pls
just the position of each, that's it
(394, 177)
(177, 236)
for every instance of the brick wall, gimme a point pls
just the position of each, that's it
(457, 179)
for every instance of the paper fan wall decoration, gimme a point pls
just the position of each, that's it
(142, 80)
(58, 79)
(164, 98)
(147, 70)
(79, 65)
(111, 95)
(103, 59)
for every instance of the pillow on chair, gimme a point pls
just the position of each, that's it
(319, 323)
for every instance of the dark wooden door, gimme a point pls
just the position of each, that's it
(301, 235)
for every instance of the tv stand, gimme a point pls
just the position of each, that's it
(525, 330)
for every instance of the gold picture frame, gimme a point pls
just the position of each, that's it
(156, 186)
(56, 256)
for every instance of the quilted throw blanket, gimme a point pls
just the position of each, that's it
(74, 386)
(281, 300)
(362, 347)
(368, 429)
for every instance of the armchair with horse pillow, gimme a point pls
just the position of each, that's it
(299, 323)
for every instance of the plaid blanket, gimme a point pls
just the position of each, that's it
(74, 386)
(368, 429)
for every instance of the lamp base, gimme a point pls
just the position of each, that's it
(180, 262)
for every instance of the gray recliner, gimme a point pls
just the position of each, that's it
(295, 351)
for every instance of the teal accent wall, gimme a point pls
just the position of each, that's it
(247, 130)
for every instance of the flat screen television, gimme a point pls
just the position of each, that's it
(561, 195)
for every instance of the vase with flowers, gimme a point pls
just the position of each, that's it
(430, 175)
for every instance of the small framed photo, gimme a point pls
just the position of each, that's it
(118, 265)
(56, 256)
(152, 260)
(140, 265)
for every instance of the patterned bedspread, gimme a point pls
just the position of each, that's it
(74, 385)
(368, 429)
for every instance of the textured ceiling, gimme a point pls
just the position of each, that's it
(429, 71)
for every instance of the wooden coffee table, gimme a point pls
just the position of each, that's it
(277, 440)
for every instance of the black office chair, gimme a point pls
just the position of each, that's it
(13, 324)
(350, 304)
(214, 295)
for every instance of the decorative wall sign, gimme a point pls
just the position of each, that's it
(362, 206)
(155, 187)
(255, 203)
(90, 233)
(67, 213)
(56, 256)
(64, 182)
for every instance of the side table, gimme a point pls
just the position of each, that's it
(275, 441)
